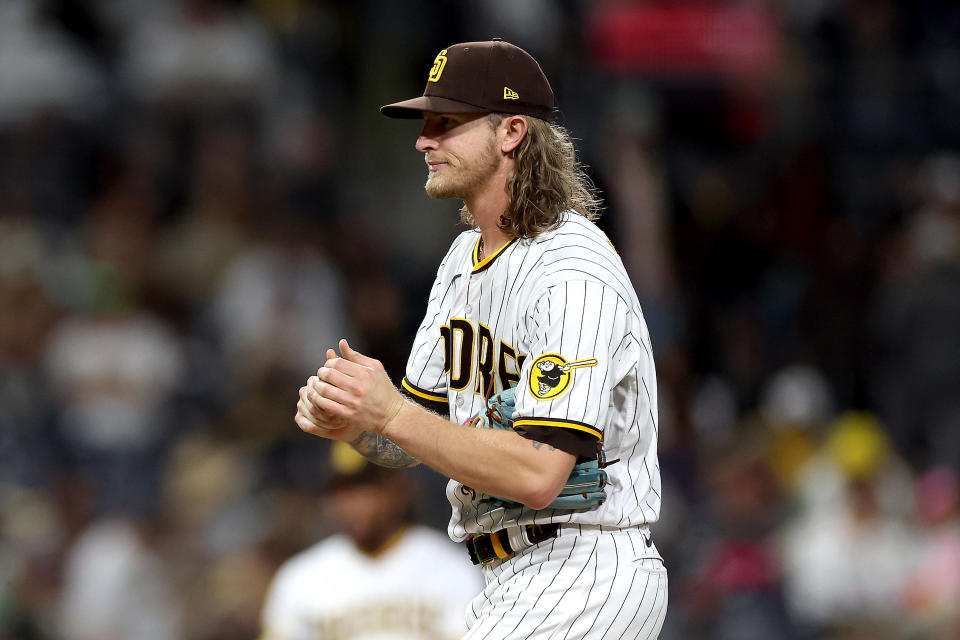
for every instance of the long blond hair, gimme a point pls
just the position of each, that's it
(547, 181)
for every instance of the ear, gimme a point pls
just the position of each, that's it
(514, 130)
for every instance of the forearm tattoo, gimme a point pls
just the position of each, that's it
(381, 451)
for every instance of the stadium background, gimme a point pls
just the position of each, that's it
(197, 197)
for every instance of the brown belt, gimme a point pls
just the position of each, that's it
(485, 548)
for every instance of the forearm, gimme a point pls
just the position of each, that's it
(496, 462)
(352, 399)
(381, 451)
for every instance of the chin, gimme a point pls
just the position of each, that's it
(440, 191)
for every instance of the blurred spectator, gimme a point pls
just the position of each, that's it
(378, 310)
(217, 520)
(213, 229)
(114, 372)
(280, 305)
(915, 322)
(41, 69)
(27, 316)
(536, 23)
(116, 586)
(795, 404)
(933, 590)
(736, 588)
(849, 550)
(194, 53)
(368, 581)
(33, 534)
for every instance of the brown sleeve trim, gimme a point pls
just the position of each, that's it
(433, 401)
(578, 443)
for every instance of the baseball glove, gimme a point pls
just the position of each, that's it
(584, 487)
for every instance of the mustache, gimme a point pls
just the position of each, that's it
(432, 159)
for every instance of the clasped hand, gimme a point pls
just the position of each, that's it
(349, 395)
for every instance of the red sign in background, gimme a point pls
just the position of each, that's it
(683, 37)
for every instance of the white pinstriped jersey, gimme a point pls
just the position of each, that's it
(557, 317)
(333, 591)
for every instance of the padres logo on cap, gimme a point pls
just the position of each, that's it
(551, 374)
(438, 64)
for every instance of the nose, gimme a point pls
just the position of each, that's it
(425, 142)
(428, 136)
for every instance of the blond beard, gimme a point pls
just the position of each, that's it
(465, 179)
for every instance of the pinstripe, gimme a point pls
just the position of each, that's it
(653, 608)
(432, 322)
(605, 275)
(602, 251)
(665, 589)
(506, 613)
(653, 488)
(586, 600)
(567, 273)
(647, 348)
(653, 418)
(546, 588)
(646, 499)
(573, 582)
(606, 369)
(628, 338)
(563, 235)
(587, 252)
(633, 484)
(513, 283)
(534, 576)
(512, 612)
(473, 608)
(583, 312)
(653, 421)
(643, 598)
(498, 573)
(613, 269)
(563, 316)
(626, 597)
(537, 323)
(562, 332)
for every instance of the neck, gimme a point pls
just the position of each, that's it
(379, 544)
(487, 205)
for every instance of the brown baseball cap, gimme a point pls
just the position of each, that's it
(481, 77)
(349, 469)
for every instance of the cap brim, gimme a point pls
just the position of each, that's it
(414, 108)
(369, 474)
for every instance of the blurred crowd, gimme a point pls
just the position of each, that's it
(198, 198)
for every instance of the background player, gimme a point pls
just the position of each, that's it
(533, 281)
(381, 577)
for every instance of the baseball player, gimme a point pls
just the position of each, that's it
(380, 578)
(532, 298)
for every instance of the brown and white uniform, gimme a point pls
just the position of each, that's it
(556, 317)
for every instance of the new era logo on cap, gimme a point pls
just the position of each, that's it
(481, 77)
